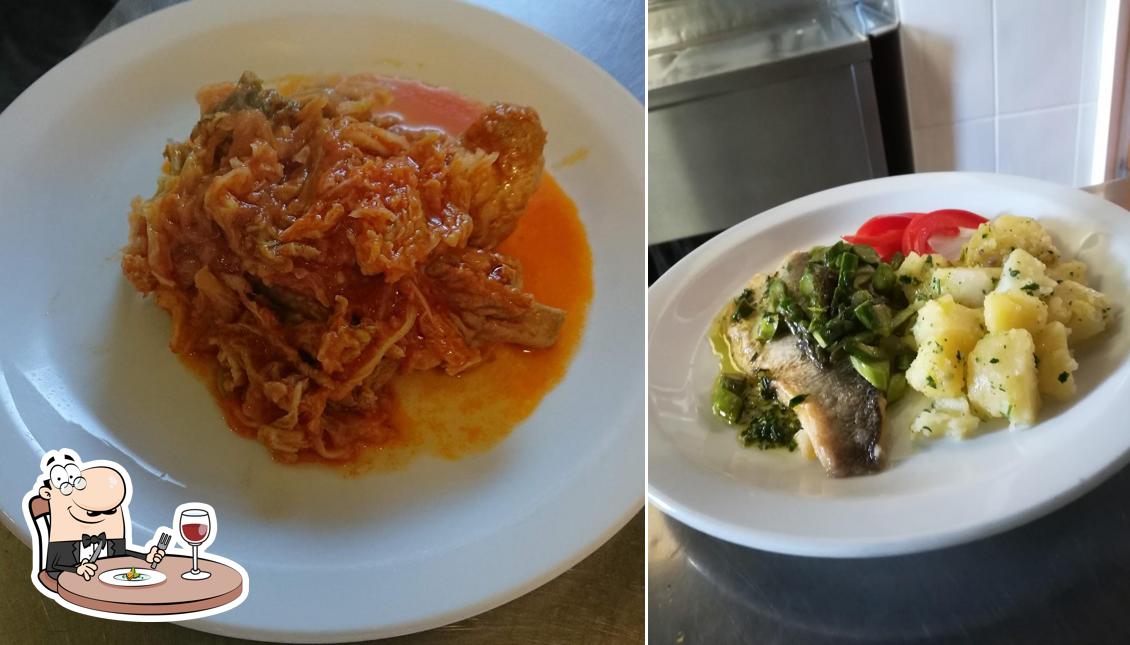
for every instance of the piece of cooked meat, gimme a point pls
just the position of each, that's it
(484, 289)
(516, 135)
(842, 415)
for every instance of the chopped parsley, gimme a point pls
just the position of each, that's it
(994, 360)
(1014, 273)
(930, 381)
(797, 400)
(1030, 287)
(1063, 376)
(743, 306)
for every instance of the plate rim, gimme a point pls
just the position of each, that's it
(667, 286)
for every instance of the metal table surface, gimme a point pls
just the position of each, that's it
(1060, 579)
(600, 600)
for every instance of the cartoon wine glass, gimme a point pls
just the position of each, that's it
(195, 524)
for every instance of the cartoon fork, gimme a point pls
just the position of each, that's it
(161, 544)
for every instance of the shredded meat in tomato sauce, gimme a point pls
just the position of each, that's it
(311, 247)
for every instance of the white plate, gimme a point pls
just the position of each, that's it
(84, 362)
(939, 494)
(151, 578)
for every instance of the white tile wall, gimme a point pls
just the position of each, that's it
(940, 38)
(968, 145)
(1038, 144)
(1039, 46)
(1003, 85)
(1084, 148)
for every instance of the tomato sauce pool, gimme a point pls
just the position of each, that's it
(453, 416)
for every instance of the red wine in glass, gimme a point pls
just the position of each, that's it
(194, 526)
(194, 533)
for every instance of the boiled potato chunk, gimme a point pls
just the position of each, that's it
(1014, 310)
(951, 417)
(1070, 270)
(916, 270)
(935, 372)
(945, 333)
(1083, 310)
(1024, 273)
(956, 327)
(1001, 377)
(1054, 363)
(993, 241)
(967, 285)
(1080, 308)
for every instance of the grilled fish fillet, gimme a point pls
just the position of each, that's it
(842, 413)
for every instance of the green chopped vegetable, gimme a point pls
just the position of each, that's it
(884, 278)
(877, 372)
(752, 403)
(728, 400)
(767, 327)
(896, 389)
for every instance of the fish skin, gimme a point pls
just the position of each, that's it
(843, 414)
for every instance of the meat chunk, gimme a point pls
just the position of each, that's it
(515, 134)
(484, 289)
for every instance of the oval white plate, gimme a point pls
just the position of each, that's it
(938, 494)
(84, 361)
(151, 578)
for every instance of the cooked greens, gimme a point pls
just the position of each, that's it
(752, 403)
(847, 305)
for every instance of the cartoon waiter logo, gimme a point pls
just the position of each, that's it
(85, 559)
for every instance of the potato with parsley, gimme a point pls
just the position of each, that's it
(1022, 272)
(1081, 309)
(1054, 364)
(1070, 270)
(967, 285)
(1014, 310)
(945, 333)
(993, 241)
(916, 270)
(953, 417)
(1001, 377)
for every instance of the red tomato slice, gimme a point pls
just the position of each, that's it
(916, 237)
(885, 244)
(884, 223)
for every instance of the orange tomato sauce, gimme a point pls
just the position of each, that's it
(452, 416)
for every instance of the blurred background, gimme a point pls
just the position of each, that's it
(752, 104)
(35, 36)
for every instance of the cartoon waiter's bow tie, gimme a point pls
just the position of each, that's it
(87, 540)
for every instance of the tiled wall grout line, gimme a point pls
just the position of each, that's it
(996, 92)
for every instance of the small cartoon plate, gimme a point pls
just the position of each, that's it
(118, 577)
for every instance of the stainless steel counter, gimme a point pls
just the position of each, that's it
(600, 600)
(1060, 579)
